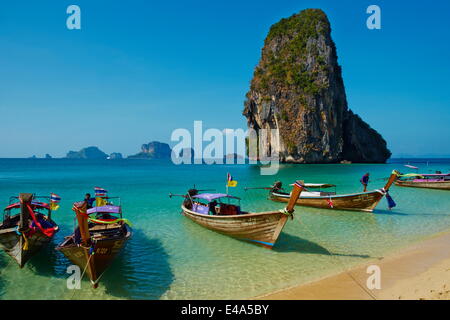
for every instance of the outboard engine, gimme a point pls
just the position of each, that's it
(188, 200)
(192, 192)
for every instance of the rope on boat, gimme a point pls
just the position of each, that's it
(82, 274)
(340, 262)
(289, 214)
(22, 234)
(25, 245)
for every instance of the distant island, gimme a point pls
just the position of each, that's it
(47, 156)
(297, 88)
(87, 153)
(115, 156)
(153, 150)
(92, 153)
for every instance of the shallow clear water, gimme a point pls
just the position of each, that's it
(170, 257)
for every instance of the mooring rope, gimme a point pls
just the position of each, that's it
(347, 271)
(81, 277)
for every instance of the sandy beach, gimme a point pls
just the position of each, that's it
(418, 272)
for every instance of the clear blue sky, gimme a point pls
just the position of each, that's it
(139, 69)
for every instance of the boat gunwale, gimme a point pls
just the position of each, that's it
(13, 229)
(286, 195)
(71, 237)
(239, 216)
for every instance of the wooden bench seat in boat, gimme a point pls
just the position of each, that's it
(104, 226)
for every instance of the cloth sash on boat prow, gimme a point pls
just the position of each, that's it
(26, 228)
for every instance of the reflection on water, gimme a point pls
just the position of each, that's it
(142, 271)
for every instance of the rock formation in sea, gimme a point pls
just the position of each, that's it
(115, 156)
(47, 156)
(297, 88)
(153, 150)
(87, 153)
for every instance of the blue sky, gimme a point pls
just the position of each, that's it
(139, 69)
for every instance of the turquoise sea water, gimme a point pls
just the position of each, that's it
(170, 257)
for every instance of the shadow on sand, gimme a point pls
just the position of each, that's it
(290, 243)
(396, 213)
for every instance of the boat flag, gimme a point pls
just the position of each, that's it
(330, 203)
(100, 202)
(231, 183)
(100, 192)
(100, 195)
(54, 201)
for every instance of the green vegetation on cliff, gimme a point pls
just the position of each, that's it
(286, 48)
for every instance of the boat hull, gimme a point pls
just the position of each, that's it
(439, 185)
(94, 260)
(366, 201)
(20, 250)
(260, 228)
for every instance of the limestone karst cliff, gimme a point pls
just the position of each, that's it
(297, 87)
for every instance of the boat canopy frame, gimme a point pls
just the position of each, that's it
(36, 205)
(109, 208)
(204, 199)
(209, 197)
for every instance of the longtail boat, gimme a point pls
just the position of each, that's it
(25, 233)
(429, 181)
(362, 201)
(100, 235)
(215, 211)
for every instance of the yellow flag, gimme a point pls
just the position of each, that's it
(100, 202)
(232, 184)
(54, 206)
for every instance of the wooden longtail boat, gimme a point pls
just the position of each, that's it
(363, 201)
(96, 241)
(263, 228)
(428, 181)
(23, 234)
